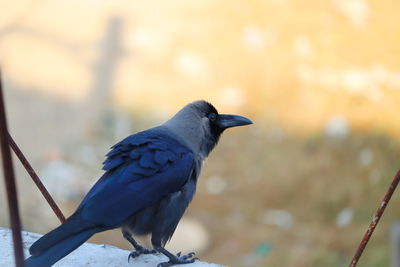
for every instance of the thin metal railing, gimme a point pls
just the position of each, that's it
(6, 142)
(11, 187)
(36, 179)
(375, 220)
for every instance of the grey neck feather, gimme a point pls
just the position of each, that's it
(190, 127)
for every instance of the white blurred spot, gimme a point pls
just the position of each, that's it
(190, 235)
(280, 218)
(367, 82)
(355, 80)
(148, 40)
(344, 217)
(231, 97)
(215, 185)
(143, 37)
(365, 157)
(253, 37)
(337, 127)
(191, 64)
(356, 11)
(302, 47)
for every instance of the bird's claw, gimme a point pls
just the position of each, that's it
(140, 251)
(189, 255)
(179, 260)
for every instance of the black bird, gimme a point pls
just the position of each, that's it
(150, 178)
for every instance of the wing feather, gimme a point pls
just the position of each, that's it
(143, 169)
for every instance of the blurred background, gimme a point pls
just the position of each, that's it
(320, 79)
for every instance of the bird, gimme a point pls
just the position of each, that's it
(149, 180)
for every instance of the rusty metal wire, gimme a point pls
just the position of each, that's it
(36, 179)
(375, 220)
(11, 188)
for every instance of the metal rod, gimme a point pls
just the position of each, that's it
(36, 179)
(11, 188)
(375, 220)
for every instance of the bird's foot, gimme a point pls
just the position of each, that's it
(139, 251)
(178, 259)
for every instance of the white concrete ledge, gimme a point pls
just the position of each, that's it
(86, 255)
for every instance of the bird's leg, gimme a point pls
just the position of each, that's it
(138, 248)
(178, 259)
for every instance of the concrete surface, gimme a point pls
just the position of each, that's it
(86, 255)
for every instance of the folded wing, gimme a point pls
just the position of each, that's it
(140, 170)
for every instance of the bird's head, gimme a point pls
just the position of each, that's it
(200, 125)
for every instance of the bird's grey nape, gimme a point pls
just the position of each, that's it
(190, 124)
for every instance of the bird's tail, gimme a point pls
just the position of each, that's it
(59, 250)
(60, 242)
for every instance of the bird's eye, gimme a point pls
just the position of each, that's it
(212, 117)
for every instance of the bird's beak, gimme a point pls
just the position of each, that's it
(227, 121)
